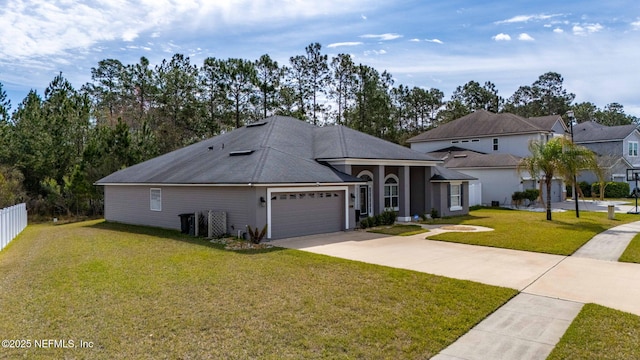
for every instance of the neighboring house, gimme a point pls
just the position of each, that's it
(488, 146)
(615, 146)
(296, 178)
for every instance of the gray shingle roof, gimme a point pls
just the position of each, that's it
(591, 131)
(339, 142)
(485, 123)
(441, 173)
(282, 150)
(458, 159)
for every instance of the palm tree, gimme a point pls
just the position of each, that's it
(575, 158)
(559, 156)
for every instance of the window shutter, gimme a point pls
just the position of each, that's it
(462, 194)
(448, 195)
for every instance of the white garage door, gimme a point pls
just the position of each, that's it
(306, 213)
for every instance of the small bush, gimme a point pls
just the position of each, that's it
(517, 198)
(531, 195)
(434, 213)
(387, 218)
(256, 235)
(612, 189)
(585, 187)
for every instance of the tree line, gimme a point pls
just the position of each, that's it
(54, 146)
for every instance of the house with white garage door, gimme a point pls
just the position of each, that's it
(294, 177)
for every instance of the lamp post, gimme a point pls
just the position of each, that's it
(571, 117)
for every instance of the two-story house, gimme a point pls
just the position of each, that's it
(489, 146)
(615, 146)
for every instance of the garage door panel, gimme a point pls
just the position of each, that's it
(306, 213)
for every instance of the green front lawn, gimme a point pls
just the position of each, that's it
(530, 231)
(600, 333)
(142, 293)
(632, 253)
(399, 230)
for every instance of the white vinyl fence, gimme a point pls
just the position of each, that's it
(475, 194)
(12, 221)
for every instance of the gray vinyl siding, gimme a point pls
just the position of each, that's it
(441, 199)
(130, 204)
(606, 148)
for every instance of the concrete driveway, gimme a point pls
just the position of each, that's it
(612, 284)
(493, 266)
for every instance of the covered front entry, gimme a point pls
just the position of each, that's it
(306, 211)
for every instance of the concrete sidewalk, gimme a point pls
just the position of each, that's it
(526, 327)
(610, 244)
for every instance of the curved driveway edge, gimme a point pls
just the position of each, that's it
(499, 267)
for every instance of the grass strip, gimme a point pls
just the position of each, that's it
(600, 333)
(399, 230)
(632, 253)
(530, 231)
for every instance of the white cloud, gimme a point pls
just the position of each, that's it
(437, 41)
(375, 52)
(363, 17)
(636, 25)
(502, 37)
(382, 37)
(525, 37)
(558, 31)
(585, 29)
(348, 43)
(42, 28)
(526, 18)
(129, 35)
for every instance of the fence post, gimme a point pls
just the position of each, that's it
(3, 229)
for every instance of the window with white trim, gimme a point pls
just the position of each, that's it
(155, 199)
(455, 196)
(633, 148)
(391, 197)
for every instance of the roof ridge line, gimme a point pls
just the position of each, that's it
(261, 162)
(343, 141)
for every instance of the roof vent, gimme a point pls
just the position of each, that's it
(257, 124)
(459, 156)
(241, 153)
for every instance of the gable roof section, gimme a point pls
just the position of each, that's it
(442, 174)
(482, 123)
(591, 131)
(340, 142)
(456, 158)
(282, 150)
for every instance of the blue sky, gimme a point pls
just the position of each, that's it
(595, 45)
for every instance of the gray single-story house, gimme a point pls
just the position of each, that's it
(296, 178)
